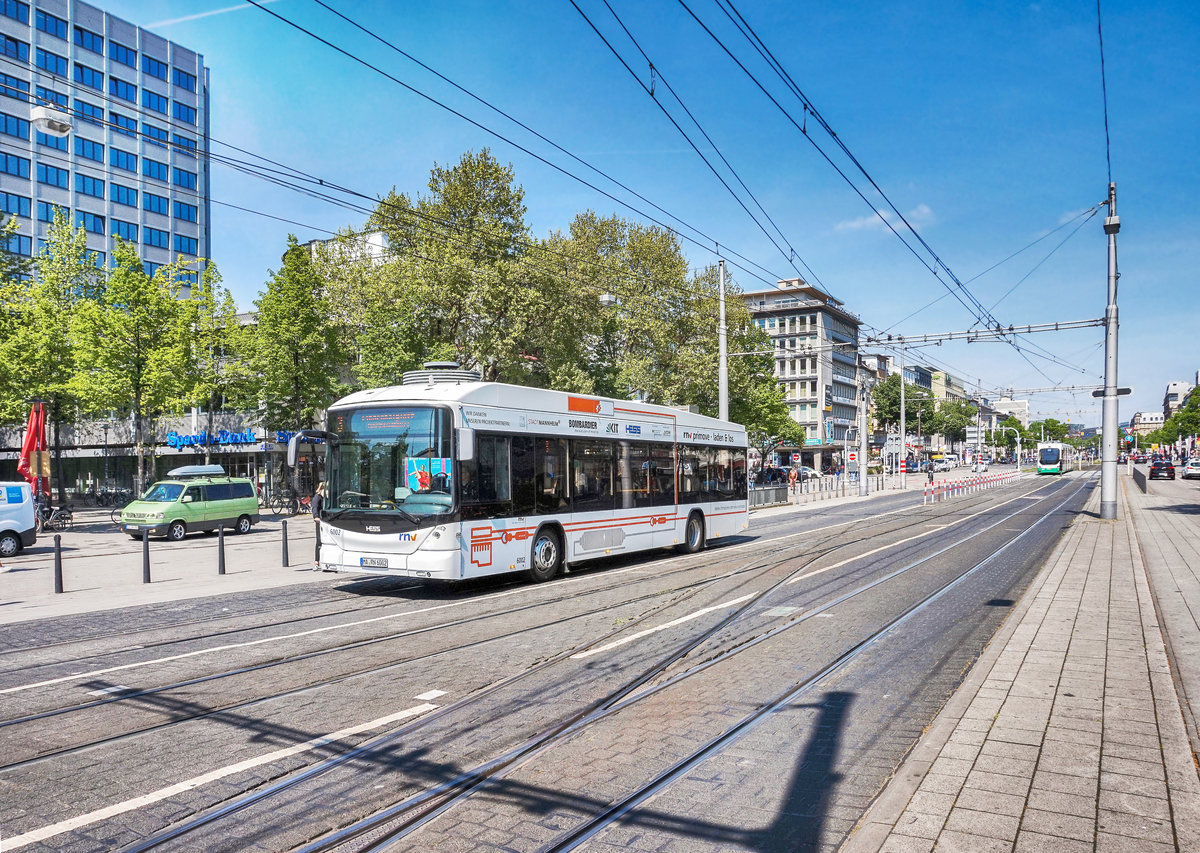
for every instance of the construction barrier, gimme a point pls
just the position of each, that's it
(947, 489)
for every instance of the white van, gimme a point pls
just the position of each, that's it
(16, 518)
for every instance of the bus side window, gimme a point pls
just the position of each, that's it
(484, 480)
(689, 474)
(524, 465)
(550, 492)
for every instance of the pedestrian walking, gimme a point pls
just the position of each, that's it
(793, 476)
(316, 505)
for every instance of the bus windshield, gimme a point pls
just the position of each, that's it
(1049, 455)
(394, 459)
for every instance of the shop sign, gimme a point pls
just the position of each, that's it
(283, 436)
(203, 438)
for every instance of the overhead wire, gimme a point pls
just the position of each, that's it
(650, 91)
(566, 172)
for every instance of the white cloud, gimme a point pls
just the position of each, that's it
(920, 215)
(207, 14)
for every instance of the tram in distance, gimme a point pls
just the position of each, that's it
(447, 477)
(1054, 457)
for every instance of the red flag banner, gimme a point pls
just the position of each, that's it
(34, 461)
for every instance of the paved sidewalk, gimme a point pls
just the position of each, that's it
(1068, 733)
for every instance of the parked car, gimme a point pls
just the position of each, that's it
(980, 467)
(17, 528)
(196, 497)
(1191, 470)
(1162, 470)
(942, 465)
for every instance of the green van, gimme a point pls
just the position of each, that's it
(196, 497)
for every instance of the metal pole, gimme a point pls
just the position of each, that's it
(723, 357)
(862, 440)
(283, 525)
(220, 549)
(145, 556)
(1108, 450)
(58, 584)
(903, 429)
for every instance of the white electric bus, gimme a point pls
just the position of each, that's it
(1054, 457)
(447, 477)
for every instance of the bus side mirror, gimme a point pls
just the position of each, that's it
(466, 445)
(293, 450)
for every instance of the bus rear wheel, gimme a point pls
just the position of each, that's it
(693, 535)
(546, 556)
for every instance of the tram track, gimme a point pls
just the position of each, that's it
(418, 809)
(687, 592)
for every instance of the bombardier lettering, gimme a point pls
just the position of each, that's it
(574, 424)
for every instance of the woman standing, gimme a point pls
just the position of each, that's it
(317, 504)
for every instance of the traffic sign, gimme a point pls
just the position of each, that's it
(795, 457)
(852, 456)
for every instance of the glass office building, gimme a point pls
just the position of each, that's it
(134, 164)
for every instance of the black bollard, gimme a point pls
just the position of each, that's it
(283, 526)
(221, 549)
(145, 556)
(58, 587)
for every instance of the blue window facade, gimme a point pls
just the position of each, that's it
(89, 113)
(154, 169)
(16, 10)
(52, 175)
(13, 126)
(11, 87)
(49, 96)
(45, 211)
(123, 124)
(155, 135)
(15, 205)
(157, 237)
(58, 143)
(51, 24)
(14, 48)
(185, 245)
(124, 230)
(151, 268)
(184, 80)
(153, 67)
(88, 40)
(122, 89)
(186, 212)
(120, 53)
(51, 62)
(92, 222)
(19, 244)
(156, 203)
(89, 77)
(185, 145)
(123, 160)
(88, 149)
(184, 178)
(87, 185)
(11, 164)
(124, 195)
(184, 113)
(154, 101)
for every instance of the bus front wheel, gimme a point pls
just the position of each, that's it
(546, 556)
(693, 534)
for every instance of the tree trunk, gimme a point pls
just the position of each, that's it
(56, 413)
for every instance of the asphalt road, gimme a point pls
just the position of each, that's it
(752, 697)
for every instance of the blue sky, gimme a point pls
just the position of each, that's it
(983, 123)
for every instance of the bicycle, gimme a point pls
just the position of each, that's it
(56, 518)
(284, 503)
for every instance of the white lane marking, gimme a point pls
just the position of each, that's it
(430, 695)
(212, 776)
(104, 691)
(865, 554)
(615, 643)
(902, 541)
(249, 643)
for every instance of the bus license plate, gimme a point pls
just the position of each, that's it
(373, 562)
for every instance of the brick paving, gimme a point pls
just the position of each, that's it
(1069, 733)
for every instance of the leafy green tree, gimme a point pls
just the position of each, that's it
(297, 353)
(919, 405)
(214, 348)
(132, 347)
(954, 418)
(1053, 430)
(38, 352)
